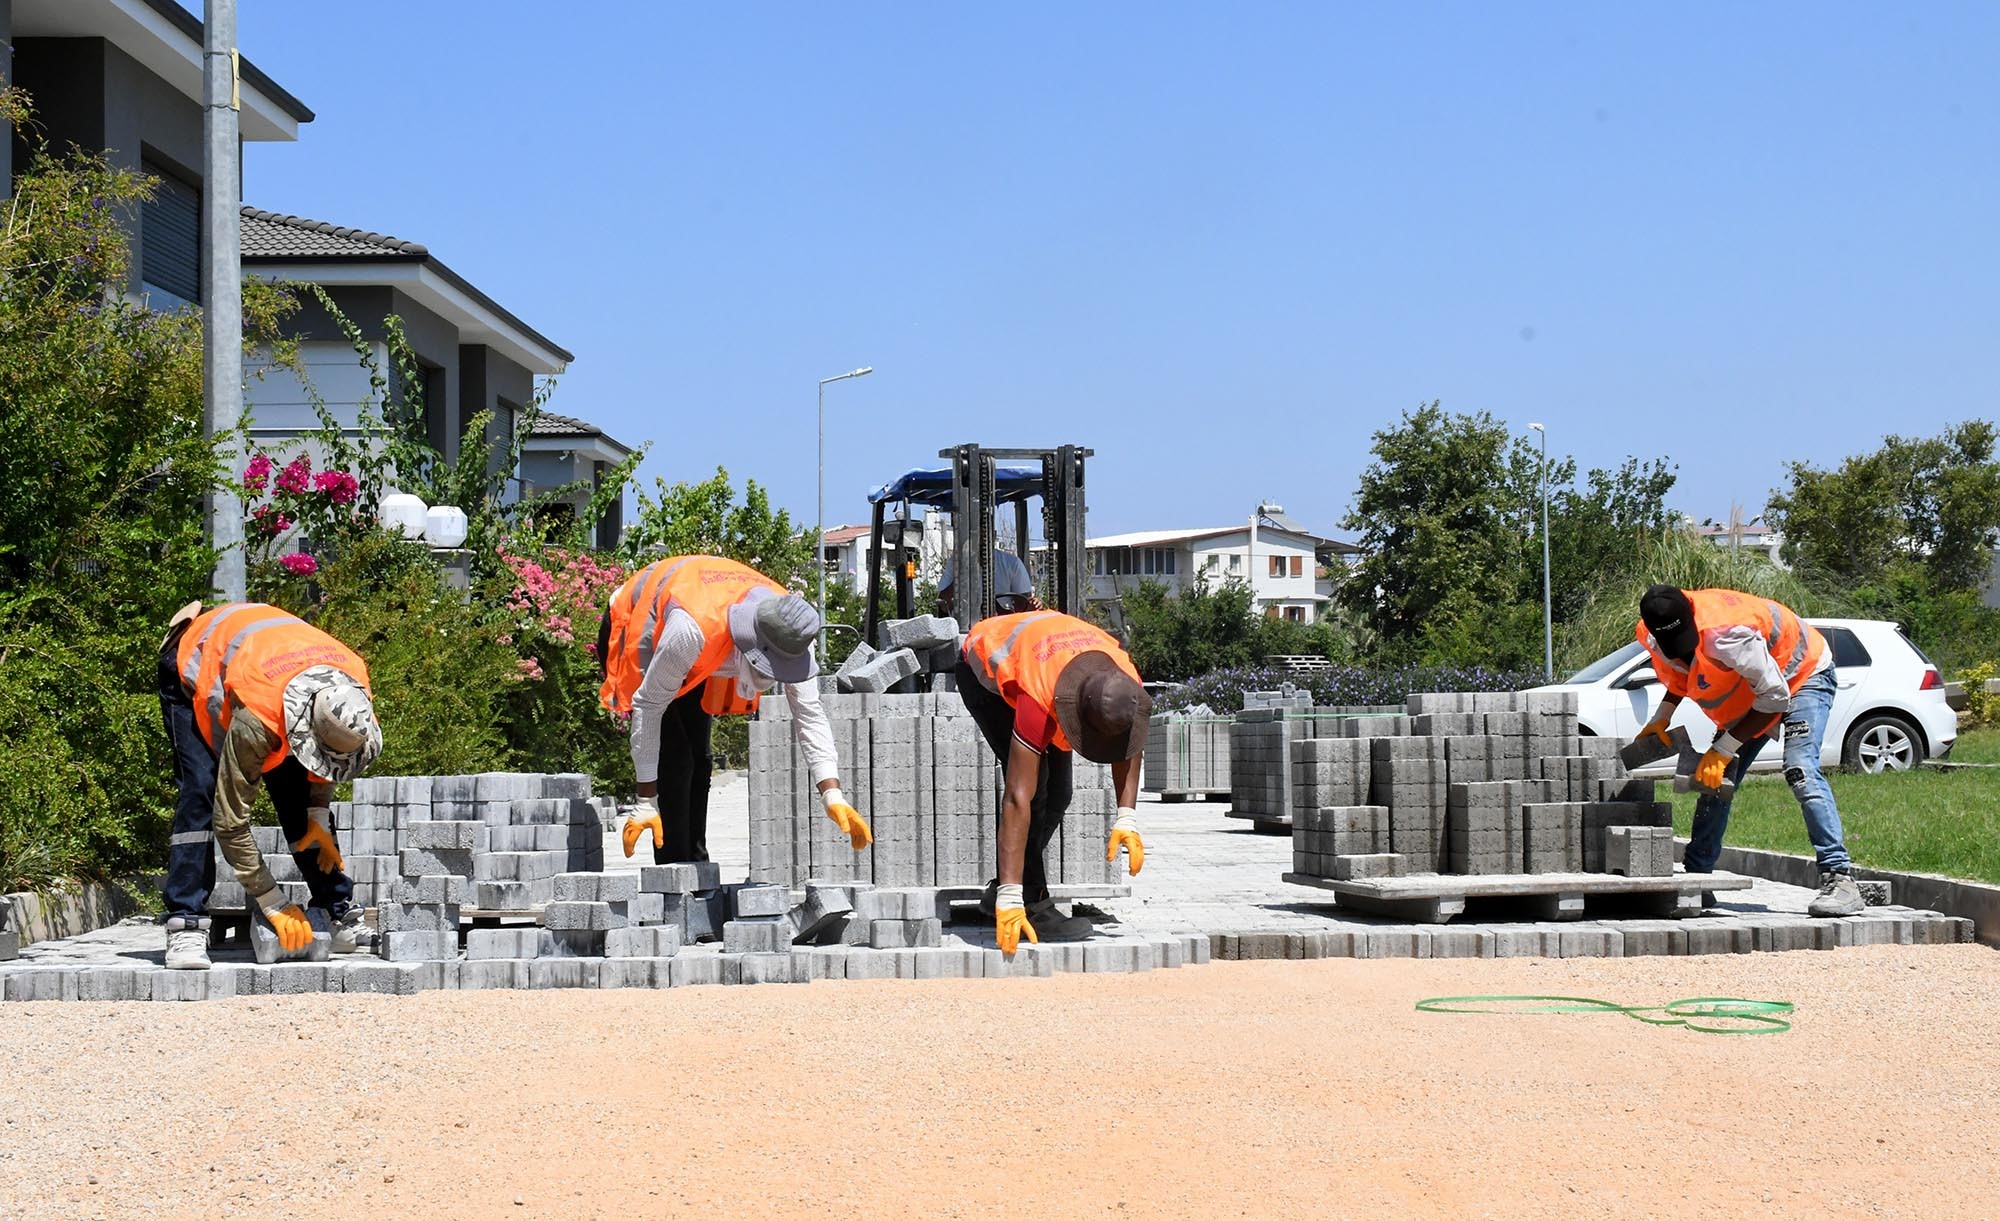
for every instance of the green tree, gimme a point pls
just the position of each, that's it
(1439, 513)
(706, 518)
(1176, 637)
(1933, 502)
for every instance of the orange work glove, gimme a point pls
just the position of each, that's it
(847, 818)
(320, 836)
(294, 931)
(1714, 766)
(1125, 834)
(1657, 728)
(643, 816)
(1010, 920)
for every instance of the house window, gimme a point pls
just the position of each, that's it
(1235, 562)
(1297, 614)
(1208, 563)
(1297, 561)
(170, 236)
(1277, 566)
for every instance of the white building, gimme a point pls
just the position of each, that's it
(1291, 572)
(1751, 536)
(846, 551)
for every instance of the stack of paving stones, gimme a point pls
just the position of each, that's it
(927, 644)
(1484, 783)
(1186, 755)
(1268, 755)
(917, 768)
(10, 939)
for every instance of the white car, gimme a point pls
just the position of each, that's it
(1889, 713)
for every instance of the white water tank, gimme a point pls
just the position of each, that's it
(404, 514)
(444, 526)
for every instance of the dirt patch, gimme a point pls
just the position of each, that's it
(1238, 1089)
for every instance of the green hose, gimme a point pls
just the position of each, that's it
(1745, 1016)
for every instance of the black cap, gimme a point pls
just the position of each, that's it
(1669, 616)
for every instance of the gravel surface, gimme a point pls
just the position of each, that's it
(1238, 1089)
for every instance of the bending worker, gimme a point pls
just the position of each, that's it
(249, 692)
(1753, 666)
(1041, 684)
(692, 637)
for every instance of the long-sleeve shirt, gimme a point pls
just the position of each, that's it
(1744, 650)
(239, 770)
(678, 646)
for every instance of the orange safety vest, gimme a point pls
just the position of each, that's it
(242, 655)
(1726, 696)
(1023, 655)
(705, 586)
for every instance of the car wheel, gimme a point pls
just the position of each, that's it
(1882, 743)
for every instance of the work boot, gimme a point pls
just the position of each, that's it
(187, 944)
(1838, 895)
(351, 934)
(1051, 925)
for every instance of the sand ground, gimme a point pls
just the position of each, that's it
(1236, 1089)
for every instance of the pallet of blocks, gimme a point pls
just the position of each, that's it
(1485, 795)
(1187, 756)
(918, 769)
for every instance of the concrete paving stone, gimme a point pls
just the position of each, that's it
(571, 943)
(667, 879)
(433, 888)
(419, 947)
(647, 908)
(617, 887)
(1589, 941)
(757, 935)
(544, 973)
(494, 973)
(188, 986)
(128, 983)
(690, 970)
(1254, 946)
(762, 901)
(444, 835)
(1653, 938)
(1875, 893)
(299, 978)
(1450, 942)
(653, 941)
(595, 917)
(579, 887)
(815, 964)
(421, 862)
(939, 963)
(502, 896)
(888, 934)
(502, 943)
(1399, 942)
(1525, 942)
(385, 978)
(1200, 949)
(865, 963)
(397, 917)
(707, 875)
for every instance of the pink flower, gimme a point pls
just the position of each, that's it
(297, 475)
(257, 473)
(339, 486)
(531, 669)
(299, 564)
(269, 521)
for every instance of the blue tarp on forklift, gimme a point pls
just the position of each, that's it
(932, 488)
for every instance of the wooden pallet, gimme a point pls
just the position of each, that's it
(1265, 822)
(1173, 795)
(1434, 898)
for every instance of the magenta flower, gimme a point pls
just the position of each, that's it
(297, 475)
(299, 564)
(339, 486)
(257, 473)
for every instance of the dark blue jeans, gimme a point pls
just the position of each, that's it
(191, 850)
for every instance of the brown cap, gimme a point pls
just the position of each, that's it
(1102, 711)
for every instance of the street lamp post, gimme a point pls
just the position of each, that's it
(819, 543)
(1548, 605)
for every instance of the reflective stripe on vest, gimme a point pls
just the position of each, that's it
(992, 662)
(650, 634)
(192, 670)
(217, 696)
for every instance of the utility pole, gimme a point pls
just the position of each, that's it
(221, 280)
(1548, 604)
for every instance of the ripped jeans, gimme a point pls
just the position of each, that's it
(1804, 730)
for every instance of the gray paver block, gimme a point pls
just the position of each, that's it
(386, 978)
(762, 901)
(571, 943)
(651, 941)
(595, 917)
(757, 935)
(687, 970)
(419, 946)
(503, 973)
(1373, 865)
(502, 943)
(299, 978)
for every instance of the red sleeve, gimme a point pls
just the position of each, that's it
(1034, 725)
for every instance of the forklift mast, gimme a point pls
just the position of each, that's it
(974, 489)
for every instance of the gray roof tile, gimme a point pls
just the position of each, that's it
(273, 235)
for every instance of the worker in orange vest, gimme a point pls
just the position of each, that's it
(686, 639)
(251, 694)
(1752, 665)
(1041, 684)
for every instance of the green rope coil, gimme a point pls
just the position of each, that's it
(1696, 1013)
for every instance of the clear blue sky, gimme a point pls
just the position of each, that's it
(1222, 244)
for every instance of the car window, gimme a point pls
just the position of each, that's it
(1608, 664)
(1914, 646)
(1847, 648)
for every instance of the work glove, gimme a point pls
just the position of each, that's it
(1714, 766)
(644, 815)
(847, 818)
(319, 836)
(1125, 834)
(294, 931)
(1657, 728)
(1010, 919)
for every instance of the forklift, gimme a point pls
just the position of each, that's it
(974, 489)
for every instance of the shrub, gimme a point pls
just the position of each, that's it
(1981, 705)
(1222, 690)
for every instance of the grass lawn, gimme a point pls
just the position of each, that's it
(1923, 821)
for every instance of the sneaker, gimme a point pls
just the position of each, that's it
(187, 945)
(1051, 925)
(351, 934)
(1838, 896)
